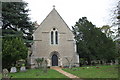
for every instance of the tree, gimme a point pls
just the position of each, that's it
(17, 31)
(15, 16)
(118, 35)
(118, 14)
(13, 49)
(116, 24)
(91, 43)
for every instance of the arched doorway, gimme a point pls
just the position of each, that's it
(54, 60)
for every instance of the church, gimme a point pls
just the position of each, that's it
(54, 41)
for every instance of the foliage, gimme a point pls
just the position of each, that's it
(17, 32)
(107, 30)
(82, 61)
(42, 64)
(13, 49)
(118, 10)
(118, 36)
(39, 62)
(16, 21)
(116, 24)
(95, 71)
(118, 49)
(91, 42)
(23, 65)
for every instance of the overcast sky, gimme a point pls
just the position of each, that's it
(97, 11)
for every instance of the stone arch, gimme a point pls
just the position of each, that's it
(55, 57)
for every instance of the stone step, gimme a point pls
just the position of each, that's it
(54, 67)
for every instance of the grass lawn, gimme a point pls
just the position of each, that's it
(37, 73)
(106, 71)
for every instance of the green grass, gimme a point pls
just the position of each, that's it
(37, 73)
(93, 72)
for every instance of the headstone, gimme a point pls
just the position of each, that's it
(103, 61)
(13, 69)
(116, 61)
(5, 72)
(45, 66)
(23, 69)
(111, 62)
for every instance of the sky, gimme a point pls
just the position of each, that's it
(99, 12)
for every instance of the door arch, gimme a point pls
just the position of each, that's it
(54, 60)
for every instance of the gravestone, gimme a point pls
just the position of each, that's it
(116, 61)
(13, 69)
(23, 69)
(111, 62)
(5, 73)
(45, 66)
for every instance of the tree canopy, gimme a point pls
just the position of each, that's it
(91, 42)
(16, 21)
(13, 49)
(118, 35)
(17, 31)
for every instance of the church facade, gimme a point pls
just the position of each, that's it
(54, 41)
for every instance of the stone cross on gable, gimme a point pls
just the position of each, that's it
(53, 6)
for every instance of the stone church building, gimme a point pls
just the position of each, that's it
(54, 41)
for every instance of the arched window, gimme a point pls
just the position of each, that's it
(54, 36)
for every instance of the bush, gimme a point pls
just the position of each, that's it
(13, 49)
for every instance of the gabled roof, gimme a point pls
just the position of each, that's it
(54, 11)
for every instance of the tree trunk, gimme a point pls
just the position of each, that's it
(89, 61)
